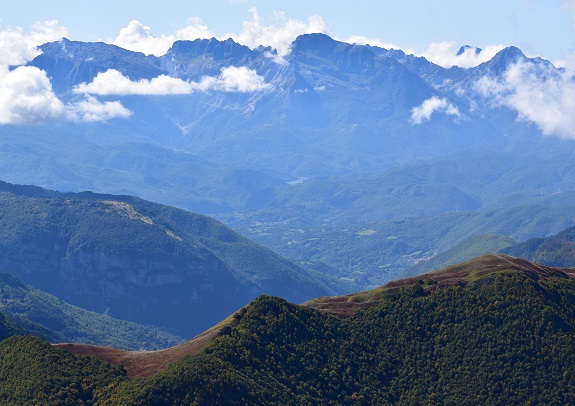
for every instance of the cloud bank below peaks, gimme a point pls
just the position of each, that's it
(92, 110)
(430, 106)
(139, 38)
(445, 55)
(26, 97)
(539, 94)
(26, 94)
(279, 34)
(18, 47)
(231, 79)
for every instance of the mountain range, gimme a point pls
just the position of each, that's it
(331, 135)
(219, 151)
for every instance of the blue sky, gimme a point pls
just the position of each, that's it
(538, 27)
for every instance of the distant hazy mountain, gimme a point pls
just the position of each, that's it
(331, 108)
(137, 260)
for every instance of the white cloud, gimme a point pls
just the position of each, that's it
(568, 63)
(18, 47)
(26, 96)
(113, 82)
(231, 79)
(430, 106)
(376, 42)
(445, 54)
(91, 110)
(194, 30)
(240, 79)
(539, 94)
(139, 38)
(441, 53)
(570, 5)
(280, 34)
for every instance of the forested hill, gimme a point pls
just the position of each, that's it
(137, 260)
(496, 330)
(556, 250)
(493, 330)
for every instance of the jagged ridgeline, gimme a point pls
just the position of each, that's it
(139, 261)
(330, 140)
(494, 330)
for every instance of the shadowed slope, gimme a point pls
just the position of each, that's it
(139, 261)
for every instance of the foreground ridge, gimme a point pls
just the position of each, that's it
(147, 363)
(493, 330)
(459, 274)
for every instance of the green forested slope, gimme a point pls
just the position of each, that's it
(32, 372)
(9, 327)
(503, 337)
(495, 330)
